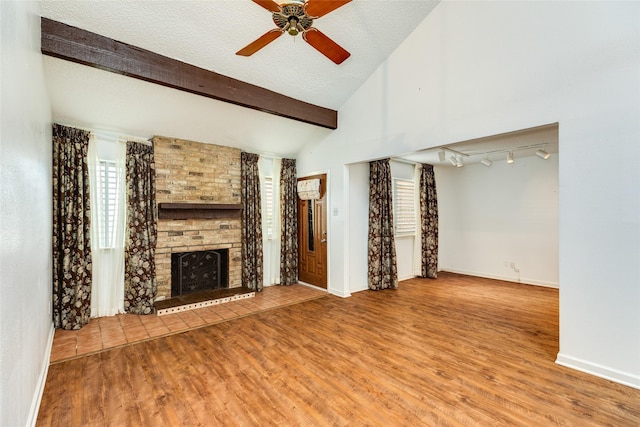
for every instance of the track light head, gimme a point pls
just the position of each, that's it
(486, 162)
(542, 154)
(453, 161)
(459, 161)
(442, 155)
(510, 157)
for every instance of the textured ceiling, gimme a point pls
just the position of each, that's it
(208, 33)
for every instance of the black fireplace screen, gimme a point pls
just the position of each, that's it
(198, 271)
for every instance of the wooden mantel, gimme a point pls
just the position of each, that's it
(198, 210)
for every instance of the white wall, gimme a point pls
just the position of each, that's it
(506, 213)
(26, 329)
(358, 230)
(475, 69)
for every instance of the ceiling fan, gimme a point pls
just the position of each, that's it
(296, 16)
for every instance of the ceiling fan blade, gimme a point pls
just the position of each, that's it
(261, 42)
(270, 5)
(325, 45)
(318, 8)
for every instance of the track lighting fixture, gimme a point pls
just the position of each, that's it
(542, 154)
(510, 157)
(456, 158)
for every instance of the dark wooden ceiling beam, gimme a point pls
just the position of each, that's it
(74, 44)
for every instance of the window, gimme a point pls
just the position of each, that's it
(268, 195)
(404, 213)
(108, 190)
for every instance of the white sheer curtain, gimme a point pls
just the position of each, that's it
(107, 225)
(417, 241)
(271, 226)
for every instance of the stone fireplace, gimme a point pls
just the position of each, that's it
(198, 195)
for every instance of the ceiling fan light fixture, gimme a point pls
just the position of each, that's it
(295, 17)
(293, 26)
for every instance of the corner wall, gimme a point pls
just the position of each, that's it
(26, 328)
(500, 222)
(475, 69)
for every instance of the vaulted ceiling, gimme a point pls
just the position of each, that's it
(207, 34)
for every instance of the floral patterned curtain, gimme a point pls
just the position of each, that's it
(382, 262)
(251, 222)
(289, 220)
(429, 222)
(71, 222)
(140, 286)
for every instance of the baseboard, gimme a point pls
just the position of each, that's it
(339, 292)
(42, 379)
(599, 370)
(309, 285)
(524, 281)
(360, 289)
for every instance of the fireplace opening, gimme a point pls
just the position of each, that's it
(199, 271)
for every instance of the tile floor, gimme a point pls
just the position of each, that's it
(104, 333)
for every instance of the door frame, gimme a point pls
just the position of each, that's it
(328, 196)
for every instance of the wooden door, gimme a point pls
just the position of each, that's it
(312, 237)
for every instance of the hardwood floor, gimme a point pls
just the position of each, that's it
(456, 351)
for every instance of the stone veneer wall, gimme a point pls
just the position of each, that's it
(193, 172)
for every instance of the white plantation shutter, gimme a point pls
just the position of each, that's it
(107, 159)
(109, 200)
(269, 170)
(268, 195)
(404, 213)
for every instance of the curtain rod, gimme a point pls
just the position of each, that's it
(409, 162)
(266, 156)
(112, 135)
(117, 137)
(270, 157)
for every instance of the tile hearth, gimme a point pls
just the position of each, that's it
(201, 300)
(105, 333)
